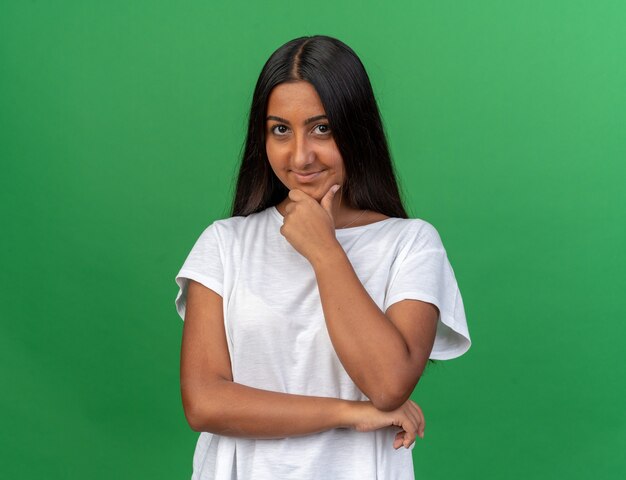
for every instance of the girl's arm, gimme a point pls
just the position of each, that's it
(214, 403)
(384, 355)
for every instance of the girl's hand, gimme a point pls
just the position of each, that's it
(408, 417)
(308, 225)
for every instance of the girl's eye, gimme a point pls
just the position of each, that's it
(325, 128)
(279, 132)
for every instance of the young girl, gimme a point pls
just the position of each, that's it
(311, 313)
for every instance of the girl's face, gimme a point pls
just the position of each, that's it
(299, 143)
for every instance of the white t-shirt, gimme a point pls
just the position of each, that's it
(277, 337)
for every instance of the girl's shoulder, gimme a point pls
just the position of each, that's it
(235, 226)
(404, 224)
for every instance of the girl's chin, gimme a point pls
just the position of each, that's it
(315, 190)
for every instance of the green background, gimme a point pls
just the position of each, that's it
(121, 126)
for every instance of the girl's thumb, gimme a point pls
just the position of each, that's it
(326, 201)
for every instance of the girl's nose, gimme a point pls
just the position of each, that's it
(303, 154)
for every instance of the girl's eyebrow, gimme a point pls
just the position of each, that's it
(306, 122)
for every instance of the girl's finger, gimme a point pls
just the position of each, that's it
(409, 439)
(420, 415)
(422, 419)
(397, 443)
(417, 422)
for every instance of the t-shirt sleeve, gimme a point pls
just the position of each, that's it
(204, 264)
(422, 271)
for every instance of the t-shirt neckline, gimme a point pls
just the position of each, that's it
(356, 228)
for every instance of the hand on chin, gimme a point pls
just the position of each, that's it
(308, 223)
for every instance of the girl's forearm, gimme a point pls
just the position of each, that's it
(232, 409)
(369, 345)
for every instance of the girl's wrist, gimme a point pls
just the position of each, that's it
(328, 256)
(349, 413)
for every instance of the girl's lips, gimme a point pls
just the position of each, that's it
(307, 178)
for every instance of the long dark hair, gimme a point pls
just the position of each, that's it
(344, 88)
